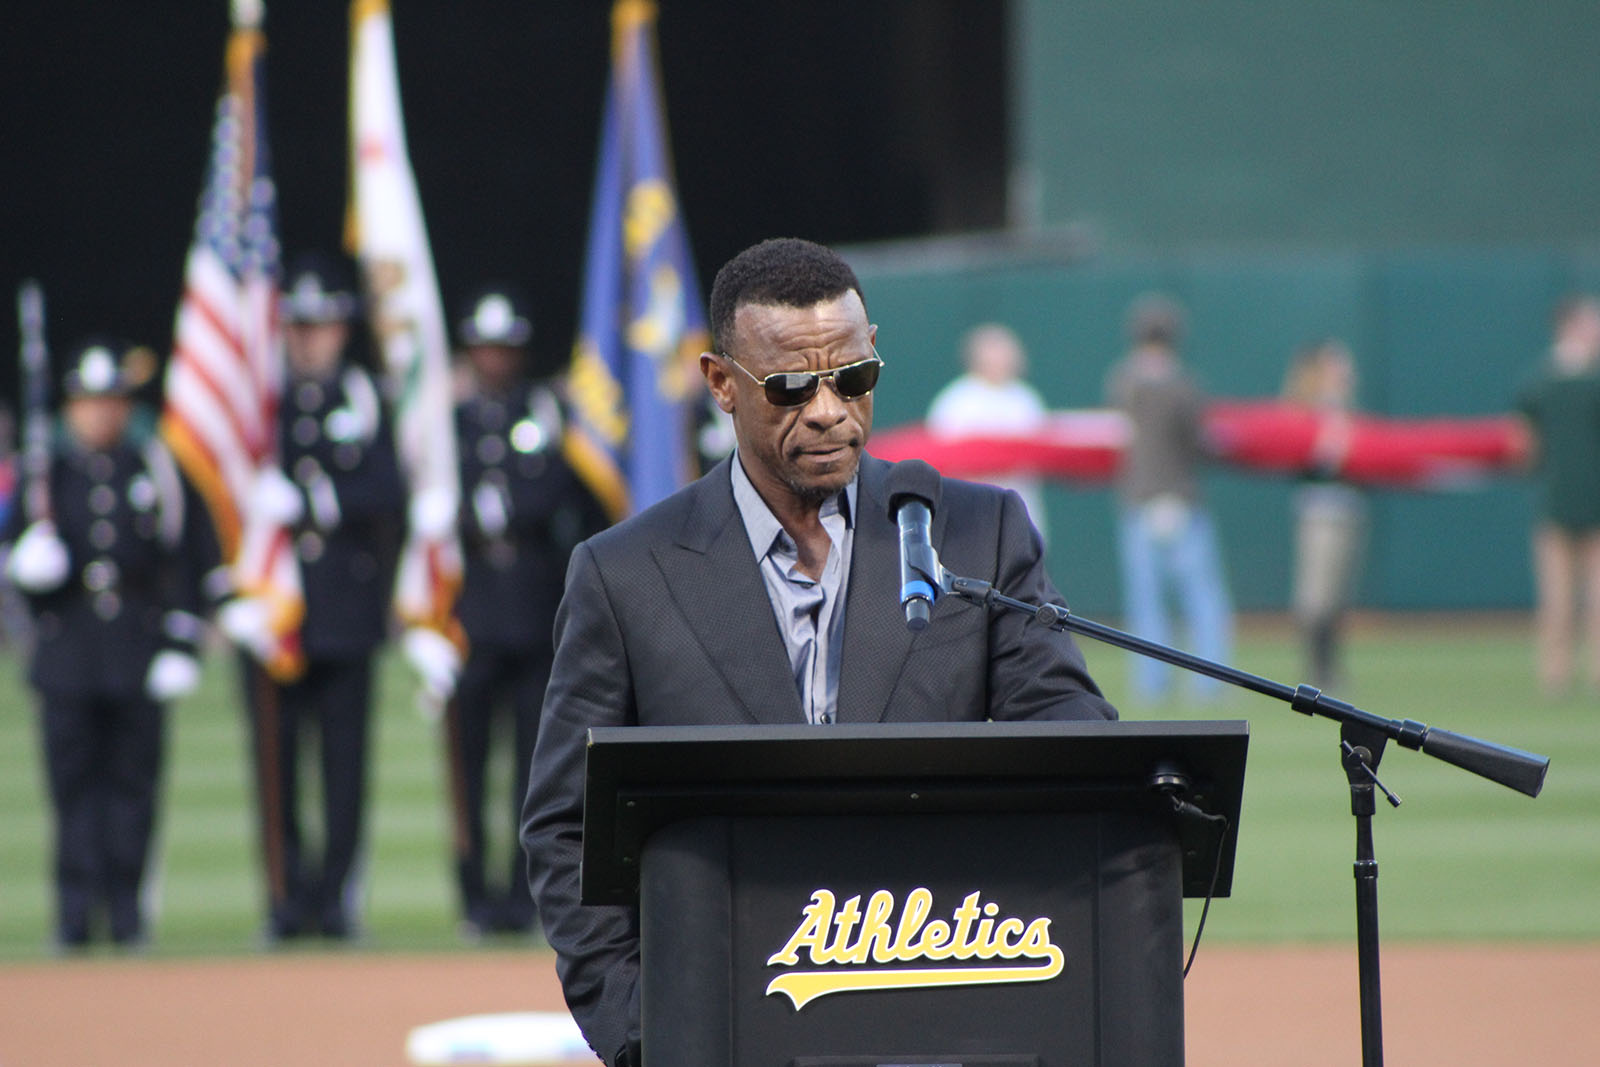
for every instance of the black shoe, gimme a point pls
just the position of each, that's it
(71, 943)
(283, 925)
(335, 926)
(127, 923)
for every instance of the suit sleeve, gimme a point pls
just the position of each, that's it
(1034, 672)
(597, 947)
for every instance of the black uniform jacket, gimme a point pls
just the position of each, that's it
(337, 446)
(510, 449)
(140, 546)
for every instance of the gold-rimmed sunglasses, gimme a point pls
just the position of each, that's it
(788, 389)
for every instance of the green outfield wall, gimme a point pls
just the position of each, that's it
(1357, 123)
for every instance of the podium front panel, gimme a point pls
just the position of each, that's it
(855, 941)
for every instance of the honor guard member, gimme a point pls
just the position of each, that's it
(340, 494)
(523, 511)
(114, 574)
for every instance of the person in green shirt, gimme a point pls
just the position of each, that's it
(1561, 409)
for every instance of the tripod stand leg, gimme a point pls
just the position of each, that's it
(1366, 872)
(1360, 754)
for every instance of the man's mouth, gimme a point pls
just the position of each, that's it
(826, 450)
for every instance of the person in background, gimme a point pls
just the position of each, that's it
(340, 494)
(1560, 408)
(992, 397)
(1330, 516)
(523, 511)
(1166, 539)
(117, 573)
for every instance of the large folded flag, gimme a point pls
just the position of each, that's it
(642, 329)
(226, 370)
(389, 238)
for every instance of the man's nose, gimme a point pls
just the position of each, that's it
(827, 408)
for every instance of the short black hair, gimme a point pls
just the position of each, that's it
(1155, 319)
(786, 271)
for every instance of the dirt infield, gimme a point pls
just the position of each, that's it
(1245, 1007)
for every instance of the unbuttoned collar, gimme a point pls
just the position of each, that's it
(762, 526)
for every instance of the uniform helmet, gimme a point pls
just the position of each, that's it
(317, 288)
(495, 315)
(99, 366)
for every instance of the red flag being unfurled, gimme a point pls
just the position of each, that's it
(1265, 436)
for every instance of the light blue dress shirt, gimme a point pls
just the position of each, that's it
(810, 612)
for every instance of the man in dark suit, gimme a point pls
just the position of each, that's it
(768, 592)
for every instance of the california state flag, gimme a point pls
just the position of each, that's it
(388, 237)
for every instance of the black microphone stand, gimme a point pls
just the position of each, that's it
(1362, 737)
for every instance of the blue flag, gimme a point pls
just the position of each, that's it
(635, 370)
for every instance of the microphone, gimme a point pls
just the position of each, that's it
(913, 496)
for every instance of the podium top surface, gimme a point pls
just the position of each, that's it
(641, 778)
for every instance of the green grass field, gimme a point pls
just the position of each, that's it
(1461, 859)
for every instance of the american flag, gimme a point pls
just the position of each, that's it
(226, 371)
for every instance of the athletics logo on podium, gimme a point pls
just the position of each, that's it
(859, 948)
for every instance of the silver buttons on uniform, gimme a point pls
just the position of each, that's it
(142, 493)
(342, 424)
(107, 605)
(310, 546)
(102, 498)
(491, 449)
(528, 436)
(100, 575)
(102, 534)
(305, 431)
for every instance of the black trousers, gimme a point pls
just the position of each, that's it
(494, 682)
(103, 759)
(331, 705)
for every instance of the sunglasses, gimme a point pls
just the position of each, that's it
(788, 389)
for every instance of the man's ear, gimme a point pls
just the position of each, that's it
(718, 381)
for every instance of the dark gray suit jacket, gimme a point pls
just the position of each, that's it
(665, 621)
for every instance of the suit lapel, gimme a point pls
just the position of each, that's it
(712, 575)
(876, 639)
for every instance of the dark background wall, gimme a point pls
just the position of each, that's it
(842, 120)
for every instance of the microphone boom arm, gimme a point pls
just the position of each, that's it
(1511, 767)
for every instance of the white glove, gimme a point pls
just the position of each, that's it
(38, 562)
(245, 621)
(489, 505)
(275, 498)
(433, 513)
(172, 675)
(437, 663)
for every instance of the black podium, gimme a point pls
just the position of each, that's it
(982, 894)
